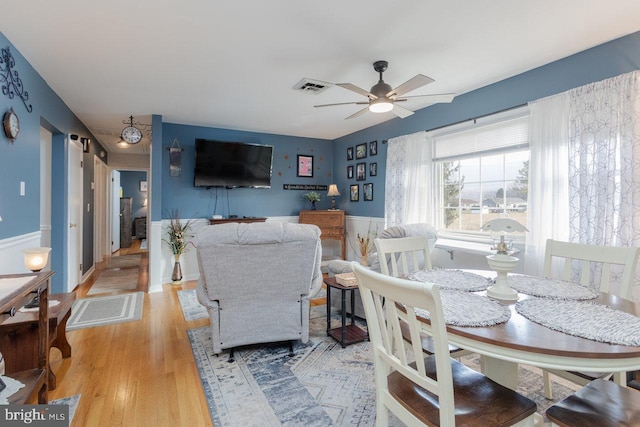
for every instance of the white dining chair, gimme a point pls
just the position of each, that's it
(436, 389)
(612, 268)
(406, 255)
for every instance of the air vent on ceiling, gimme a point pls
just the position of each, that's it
(311, 86)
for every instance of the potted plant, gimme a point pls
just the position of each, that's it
(178, 235)
(313, 197)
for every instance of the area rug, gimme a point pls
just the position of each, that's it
(100, 311)
(115, 280)
(71, 402)
(322, 385)
(124, 261)
(191, 308)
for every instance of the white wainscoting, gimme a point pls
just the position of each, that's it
(11, 257)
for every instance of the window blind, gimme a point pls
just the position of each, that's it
(482, 139)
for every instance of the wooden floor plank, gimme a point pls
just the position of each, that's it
(136, 373)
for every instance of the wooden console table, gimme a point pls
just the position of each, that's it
(244, 219)
(331, 224)
(11, 299)
(19, 335)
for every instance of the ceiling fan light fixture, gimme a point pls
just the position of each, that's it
(380, 105)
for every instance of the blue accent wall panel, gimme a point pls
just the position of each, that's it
(130, 183)
(178, 192)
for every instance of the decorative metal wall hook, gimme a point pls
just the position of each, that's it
(11, 81)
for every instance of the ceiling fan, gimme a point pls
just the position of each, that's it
(382, 98)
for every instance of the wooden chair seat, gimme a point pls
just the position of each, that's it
(479, 401)
(600, 403)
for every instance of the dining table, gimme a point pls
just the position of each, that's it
(519, 340)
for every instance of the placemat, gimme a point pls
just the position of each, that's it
(467, 309)
(550, 288)
(583, 319)
(452, 279)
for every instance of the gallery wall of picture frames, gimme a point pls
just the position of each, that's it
(358, 171)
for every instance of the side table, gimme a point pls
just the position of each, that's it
(345, 334)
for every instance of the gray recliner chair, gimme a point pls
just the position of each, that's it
(397, 231)
(257, 280)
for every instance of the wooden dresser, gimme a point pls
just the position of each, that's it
(331, 224)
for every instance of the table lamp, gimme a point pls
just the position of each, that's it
(35, 259)
(333, 192)
(502, 262)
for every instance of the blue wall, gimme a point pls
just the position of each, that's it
(20, 161)
(598, 63)
(178, 192)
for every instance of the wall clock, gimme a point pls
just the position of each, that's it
(11, 124)
(131, 134)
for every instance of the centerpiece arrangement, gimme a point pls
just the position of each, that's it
(178, 240)
(313, 197)
(366, 243)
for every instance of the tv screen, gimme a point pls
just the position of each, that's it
(232, 164)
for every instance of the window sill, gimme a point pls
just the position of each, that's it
(476, 248)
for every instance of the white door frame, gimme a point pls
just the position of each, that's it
(100, 199)
(74, 211)
(114, 210)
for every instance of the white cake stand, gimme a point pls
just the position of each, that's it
(502, 264)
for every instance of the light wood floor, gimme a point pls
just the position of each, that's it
(139, 373)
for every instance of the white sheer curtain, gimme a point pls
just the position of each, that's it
(408, 185)
(584, 178)
(547, 213)
(604, 162)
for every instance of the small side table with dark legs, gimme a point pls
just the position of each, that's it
(345, 334)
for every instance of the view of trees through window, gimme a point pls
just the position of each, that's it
(476, 190)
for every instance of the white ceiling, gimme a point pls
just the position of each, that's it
(233, 64)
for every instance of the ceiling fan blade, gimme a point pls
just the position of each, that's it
(413, 83)
(434, 99)
(401, 111)
(341, 103)
(358, 114)
(357, 89)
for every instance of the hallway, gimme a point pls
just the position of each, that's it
(142, 283)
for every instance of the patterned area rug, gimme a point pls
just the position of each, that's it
(322, 385)
(100, 311)
(71, 402)
(191, 308)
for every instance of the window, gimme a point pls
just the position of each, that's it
(482, 173)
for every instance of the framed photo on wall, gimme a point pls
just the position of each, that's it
(361, 151)
(143, 185)
(305, 166)
(373, 169)
(373, 148)
(367, 189)
(350, 153)
(350, 172)
(353, 193)
(361, 171)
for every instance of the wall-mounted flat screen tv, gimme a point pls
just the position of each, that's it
(232, 164)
